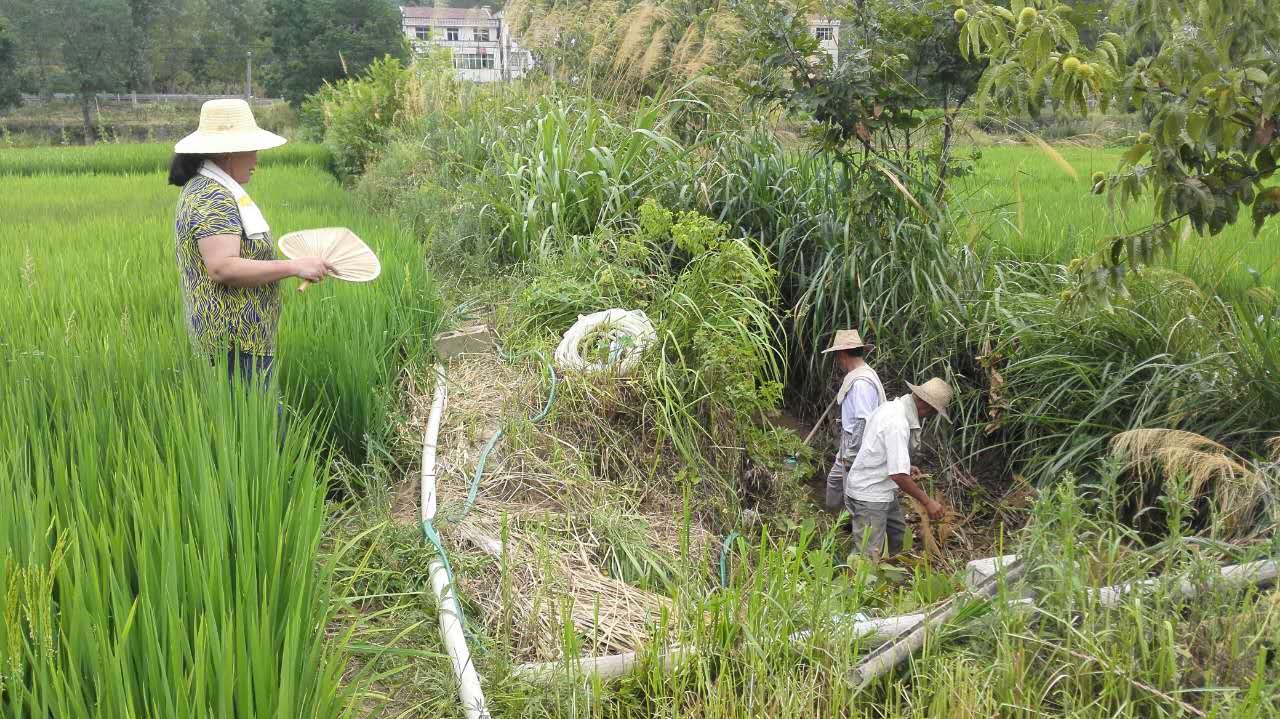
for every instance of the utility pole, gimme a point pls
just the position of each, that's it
(248, 76)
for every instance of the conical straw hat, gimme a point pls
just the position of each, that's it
(847, 340)
(227, 126)
(351, 258)
(937, 393)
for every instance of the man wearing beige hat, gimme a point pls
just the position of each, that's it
(860, 394)
(883, 466)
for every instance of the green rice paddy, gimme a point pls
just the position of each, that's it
(160, 550)
(1034, 210)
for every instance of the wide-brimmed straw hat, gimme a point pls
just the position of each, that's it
(847, 340)
(937, 393)
(227, 126)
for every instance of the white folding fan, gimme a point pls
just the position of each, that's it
(351, 258)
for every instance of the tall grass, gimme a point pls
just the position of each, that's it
(934, 285)
(1158, 654)
(851, 252)
(573, 168)
(113, 159)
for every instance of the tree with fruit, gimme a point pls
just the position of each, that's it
(1205, 76)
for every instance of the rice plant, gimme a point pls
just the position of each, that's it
(119, 159)
(159, 546)
(340, 344)
(160, 550)
(1062, 219)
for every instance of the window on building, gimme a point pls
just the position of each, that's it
(422, 33)
(481, 34)
(451, 34)
(825, 33)
(473, 62)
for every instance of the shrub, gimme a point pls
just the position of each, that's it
(356, 116)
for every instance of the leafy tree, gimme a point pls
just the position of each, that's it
(9, 91)
(145, 16)
(317, 40)
(897, 63)
(94, 58)
(1206, 74)
(38, 43)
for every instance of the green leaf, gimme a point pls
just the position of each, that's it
(1265, 162)
(1196, 124)
(1256, 75)
(1264, 206)
(1136, 153)
(1174, 121)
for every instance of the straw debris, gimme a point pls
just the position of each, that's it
(541, 516)
(1236, 486)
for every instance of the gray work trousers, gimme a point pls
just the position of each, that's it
(873, 523)
(850, 443)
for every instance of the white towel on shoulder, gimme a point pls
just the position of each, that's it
(864, 372)
(250, 216)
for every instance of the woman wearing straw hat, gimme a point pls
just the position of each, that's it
(226, 260)
(860, 394)
(883, 467)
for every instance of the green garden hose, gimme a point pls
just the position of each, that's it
(724, 557)
(553, 381)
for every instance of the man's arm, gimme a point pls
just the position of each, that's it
(898, 455)
(908, 485)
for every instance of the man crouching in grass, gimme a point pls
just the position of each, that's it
(883, 467)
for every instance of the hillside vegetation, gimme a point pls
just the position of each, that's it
(542, 203)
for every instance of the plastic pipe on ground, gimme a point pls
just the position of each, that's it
(455, 641)
(1250, 573)
(609, 666)
(882, 629)
(892, 652)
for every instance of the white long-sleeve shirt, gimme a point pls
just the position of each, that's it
(861, 392)
(886, 450)
(860, 403)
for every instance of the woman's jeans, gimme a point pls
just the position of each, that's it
(253, 369)
(255, 373)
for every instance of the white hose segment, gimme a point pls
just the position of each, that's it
(628, 332)
(455, 640)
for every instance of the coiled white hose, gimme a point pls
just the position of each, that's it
(627, 332)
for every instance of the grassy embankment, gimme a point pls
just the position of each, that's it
(541, 200)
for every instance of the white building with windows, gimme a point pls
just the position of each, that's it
(482, 46)
(827, 30)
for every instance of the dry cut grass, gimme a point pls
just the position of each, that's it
(540, 515)
(1239, 488)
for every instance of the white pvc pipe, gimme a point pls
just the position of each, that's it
(1251, 573)
(617, 665)
(608, 666)
(455, 641)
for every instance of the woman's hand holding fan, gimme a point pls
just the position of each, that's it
(350, 258)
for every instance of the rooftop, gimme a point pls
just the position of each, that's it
(448, 14)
